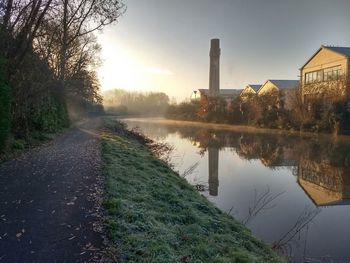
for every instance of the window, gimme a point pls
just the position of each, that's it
(332, 73)
(327, 74)
(315, 76)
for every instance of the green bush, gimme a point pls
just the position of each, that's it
(50, 117)
(18, 144)
(5, 104)
(269, 119)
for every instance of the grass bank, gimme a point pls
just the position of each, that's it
(153, 215)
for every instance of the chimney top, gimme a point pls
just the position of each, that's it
(215, 43)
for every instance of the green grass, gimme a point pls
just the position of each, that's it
(153, 215)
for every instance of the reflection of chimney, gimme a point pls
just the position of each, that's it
(213, 154)
(214, 72)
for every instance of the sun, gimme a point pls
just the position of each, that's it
(120, 69)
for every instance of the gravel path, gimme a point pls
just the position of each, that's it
(49, 200)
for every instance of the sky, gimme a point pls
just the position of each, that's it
(163, 45)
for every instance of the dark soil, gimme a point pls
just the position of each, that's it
(50, 200)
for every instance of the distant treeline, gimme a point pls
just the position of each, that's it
(124, 102)
(268, 111)
(48, 60)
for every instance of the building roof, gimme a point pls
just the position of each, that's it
(341, 50)
(285, 83)
(282, 84)
(255, 87)
(344, 51)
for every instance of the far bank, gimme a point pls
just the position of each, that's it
(237, 128)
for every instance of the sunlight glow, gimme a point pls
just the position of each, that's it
(158, 71)
(126, 69)
(120, 70)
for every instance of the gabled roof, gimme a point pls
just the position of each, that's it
(344, 51)
(255, 87)
(341, 50)
(282, 84)
(285, 83)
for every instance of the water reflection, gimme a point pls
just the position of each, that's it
(321, 166)
(311, 216)
(324, 183)
(213, 155)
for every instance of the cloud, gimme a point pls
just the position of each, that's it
(158, 71)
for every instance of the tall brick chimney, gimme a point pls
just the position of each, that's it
(214, 72)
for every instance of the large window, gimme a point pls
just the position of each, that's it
(332, 73)
(327, 74)
(315, 76)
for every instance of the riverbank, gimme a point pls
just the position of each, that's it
(154, 215)
(242, 128)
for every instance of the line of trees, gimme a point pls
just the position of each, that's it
(48, 60)
(320, 113)
(122, 102)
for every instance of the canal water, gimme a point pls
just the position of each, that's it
(292, 192)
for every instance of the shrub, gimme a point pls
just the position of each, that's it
(5, 104)
(50, 117)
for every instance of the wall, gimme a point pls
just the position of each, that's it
(267, 88)
(324, 59)
(248, 91)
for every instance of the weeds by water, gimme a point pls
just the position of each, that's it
(261, 203)
(304, 219)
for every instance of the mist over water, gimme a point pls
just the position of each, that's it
(292, 192)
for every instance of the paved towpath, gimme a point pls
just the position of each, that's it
(49, 200)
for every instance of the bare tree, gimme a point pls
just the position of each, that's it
(299, 109)
(79, 18)
(21, 20)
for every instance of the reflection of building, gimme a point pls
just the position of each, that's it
(323, 183)
(213, 158)
(322, 167)
(269, 151)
